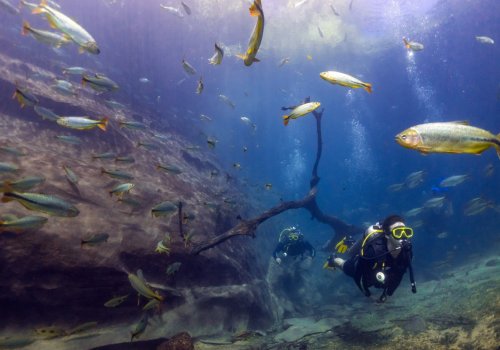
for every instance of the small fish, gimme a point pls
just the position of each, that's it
(188, 68)
(436, 202)
(396, 187)
(284, 61)
(415, 179)
(246, 120)
(485, 40)
(74, 140)
(268, 186)
(49, 38)
(169, 168)
(257, 34)
(12, 151)
(69, 27)
(237, 166)
(300, 111)
(442, 235)
(114, 104)
(413, 212)
(211, 142)
(64, 87)
(47, 204)
(151, 305)
(245, 148)
(125, 159)
(99, 82)
(24, 97)
(74, 70)
(320, 32)
(116, 301)
(163, 247)
(139, 327)
(23, 224)
(82, 123)
(121, 189)
(186, 218)
(70, 175)
(477, 206)
(164, 209)
(95, 239)
(344, 80)
(46, 114)
(6, 168)
(132, 125)
(117, 174)
(7, 6)
(147, 145)
(453, 180)
(173, 268)
(200, 87)
(144, 80)
(413, 45)
(227, 101)
(448, 137)
(105, 155)
(186, 8)
(335, 12)
(205, 117)
(172, 10)
(82, 328)
(142, 288)
(216, 59)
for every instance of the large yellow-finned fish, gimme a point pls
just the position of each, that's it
(448, 137)
(345, 80)
(58, 20)
(300, 111)
(256, 38)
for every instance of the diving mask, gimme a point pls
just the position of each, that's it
(401, 232)
(293, 236)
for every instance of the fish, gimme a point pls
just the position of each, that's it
(47, 204)
(199, 88)
(188, 68)
(125, 159)
(147, 145)
(396, 187)
(8, 168)
(45, 113)
(24, 97)
(268, 186)
(132, 125)
(345, 80)
(186, 8)
(163, 247)
(169, 168)
(105, 155)
(121, 189)
(142, 288)
(245, 148)
(77, 33)
(453, 180)
(448, 137)
(442, 235)
(413, 212)
(172, 10)
(284, 61)
(117, 174)
(436, 202)
(99, 82)
(7, 6)
(413, 45)
(300, 111)
(70, 175)
(82, 328)
(74, 70)
(49, 38)
(64, 87)
(227, 101)
(173, 268)
(320, 32)
(246, 120)
(335, 12)
(23, 224)
(300, 3)
(144, 80)
(114, 104)
(74, 140)
(205, 117)
(116, 301)
(94, 239)
(477, 206)
(211, 142)
(13, 151)
(139, 327)
(163, 209)
(485, 40)
(415, 179)
(151, 305)
(237, 166)
(82, 123)
(257, 34)
(216, 59)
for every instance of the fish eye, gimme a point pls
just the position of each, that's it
(403, 137)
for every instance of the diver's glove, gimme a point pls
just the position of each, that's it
(413, 288)
(344, 244)
(329, 263)
(278, 261)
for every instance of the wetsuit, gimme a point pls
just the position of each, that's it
(294, 248)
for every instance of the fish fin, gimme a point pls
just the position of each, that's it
(286, 119)
(407, 44)
(368, 87)
(40, 8)
(52, 24)
(497, 145)
(102, 125)
(255, 59)
(81, 50)
(241, 56)
(26, 28)
(460, 122)
(254, 9)
(15, 94)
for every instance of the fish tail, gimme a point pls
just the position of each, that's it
(103, 123)
(103, 171)
(407, 44)
(241, 56)
(368, 87)
(286, 119)
(6, 198)
(256, 7)
(497, 145)
(40, 8)
(26, 28)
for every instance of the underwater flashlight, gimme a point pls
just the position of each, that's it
(380, 276)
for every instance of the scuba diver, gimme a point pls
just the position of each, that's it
(379, 259)
(291, 243)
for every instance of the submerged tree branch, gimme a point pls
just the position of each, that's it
(248, 227)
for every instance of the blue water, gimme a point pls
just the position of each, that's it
(453, 78)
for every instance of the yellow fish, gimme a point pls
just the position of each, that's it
(300, 111)
(257, 34)
(345, 80)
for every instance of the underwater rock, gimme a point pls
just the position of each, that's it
(492, 262)
(181, 341)
(305, 326)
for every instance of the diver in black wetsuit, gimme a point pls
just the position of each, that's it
(380, 258)
(306, 100)
(291, 243)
